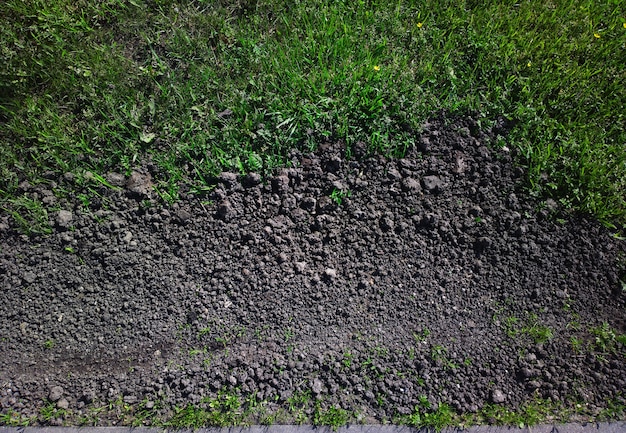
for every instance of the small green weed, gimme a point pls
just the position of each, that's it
(537, 332)
(615, 409)
(439, 354)
(333, 417)
(529, 414)
(423, 417)
(411, 353)
(220, 334)
(297, 405)
(12, 418)
(338, 195)
(421, 337)
(606, 340)
(221, 411)
(196, 352)
(510, 325)
(204, 331)
(347, 359)
(531, 328)
(49, 411)
(577, 345)
(144, 413)
(92, 417)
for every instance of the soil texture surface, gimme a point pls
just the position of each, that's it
(357, 284)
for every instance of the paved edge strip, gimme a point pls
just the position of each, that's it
(613, 427)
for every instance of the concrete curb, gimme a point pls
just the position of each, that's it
(614, 427)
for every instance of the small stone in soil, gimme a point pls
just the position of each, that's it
(29, 277)
(252, 179)
(116, 179)
(316, 387)
(497, 396)
(56, 392)
(410, 184)
(330, 273)
(140, 184)
(432, 183)
(64, 218)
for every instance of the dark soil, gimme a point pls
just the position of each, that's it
(362, 283)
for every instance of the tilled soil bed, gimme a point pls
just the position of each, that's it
(342, 286)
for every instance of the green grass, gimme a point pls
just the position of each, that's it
(228, 409)
(224, 410)
(530, 413)
(529, 327)
(338, 195)
(424, 417)
(333, 417)
(201, 86)
(14, 419)
(50, 411)
(606, 340)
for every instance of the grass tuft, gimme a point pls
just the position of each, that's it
(198, 87)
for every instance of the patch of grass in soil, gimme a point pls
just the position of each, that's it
(229, 409)
(333, 417)
(50, 411)
(615, 409)
(221, 411)
(530, 328)
(424, 416)
(12, 418)
(198, 87)
(529, 414)
(607, 340)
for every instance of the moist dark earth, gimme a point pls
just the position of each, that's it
(353, 282)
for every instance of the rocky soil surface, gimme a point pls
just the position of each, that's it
(358, 283)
